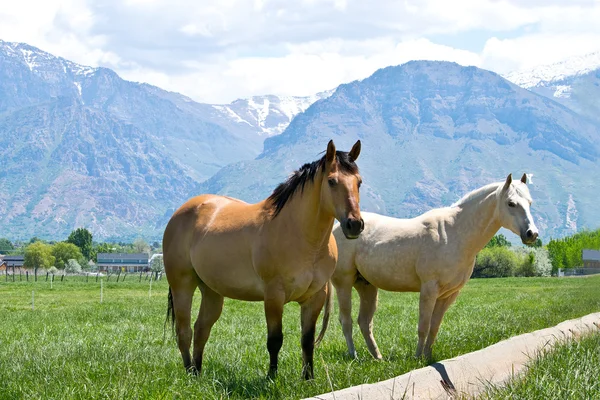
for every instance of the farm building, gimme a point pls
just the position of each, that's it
(115, 262)
(14, 261)
(591, 258)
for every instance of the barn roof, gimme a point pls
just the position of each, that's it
(591, 255)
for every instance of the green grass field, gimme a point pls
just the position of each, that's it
(73, 347)
(567, 371)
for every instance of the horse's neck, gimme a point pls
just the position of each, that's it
(305, 213)
(477, 220)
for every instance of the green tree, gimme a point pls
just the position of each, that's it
(140, 246)
(72, 267)
(526, 266)
(82, 238)
(64, 251)
(157, 264)
(103, 248)
(6, 246)
(495, 262)
(567, 252)
(38, 255)
(498, 241)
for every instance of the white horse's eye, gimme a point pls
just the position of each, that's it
(512, 204)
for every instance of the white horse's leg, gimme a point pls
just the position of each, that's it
(441, 306)
(343, 290)
(427, 300)
(368, 305)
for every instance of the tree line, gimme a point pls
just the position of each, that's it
(497, 259)
(567, 252)
(77, 253)
(500, 259)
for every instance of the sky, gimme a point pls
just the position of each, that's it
(216, 51)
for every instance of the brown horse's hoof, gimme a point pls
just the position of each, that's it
(193, 371)
(272, 373)
(308, 374)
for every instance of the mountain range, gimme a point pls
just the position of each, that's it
(83, 147)
(431, 132)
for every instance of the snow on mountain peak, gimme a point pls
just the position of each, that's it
(35, 59)
(269, 114)
(544, 75)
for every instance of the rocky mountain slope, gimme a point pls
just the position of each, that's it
(82, 147)
(433, 131)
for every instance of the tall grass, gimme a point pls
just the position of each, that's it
(71, 346)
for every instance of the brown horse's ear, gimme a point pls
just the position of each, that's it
(508, 182)
(355, 152)
(330, 156)
(524, 178)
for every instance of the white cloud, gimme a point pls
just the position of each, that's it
(529, 51)
(218, 50)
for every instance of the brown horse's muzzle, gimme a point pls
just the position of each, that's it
(352, 227)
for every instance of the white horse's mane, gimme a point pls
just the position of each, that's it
(519, 187)
(477, 193)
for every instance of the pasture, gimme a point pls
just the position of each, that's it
(71, 346)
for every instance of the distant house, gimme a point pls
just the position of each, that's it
(591, 258)
(129, 262)
(14, 261)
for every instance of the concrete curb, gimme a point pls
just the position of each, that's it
(467, 375)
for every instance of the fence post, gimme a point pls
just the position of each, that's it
(20, 274)
(13, 274)
(27, 275)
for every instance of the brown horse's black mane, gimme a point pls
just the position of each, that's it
(284, 191)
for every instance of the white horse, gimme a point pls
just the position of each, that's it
(433, 254)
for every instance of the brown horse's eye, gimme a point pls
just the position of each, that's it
(332, 182)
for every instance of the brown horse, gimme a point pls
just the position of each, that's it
(278, 250)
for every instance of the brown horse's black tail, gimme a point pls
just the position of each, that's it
(327, 313)
(170, 314)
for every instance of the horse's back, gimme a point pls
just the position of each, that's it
(385, 253)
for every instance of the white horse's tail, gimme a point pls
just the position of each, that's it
(328, 309)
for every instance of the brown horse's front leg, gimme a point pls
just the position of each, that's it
(274, 301)
(310, 311)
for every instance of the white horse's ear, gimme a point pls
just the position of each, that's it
(508, 182)
(524, 178)
(330, 156)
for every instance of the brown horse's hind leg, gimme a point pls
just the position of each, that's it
(182, 289)
(368, 305)
(441, 306)
(210, 311)
(274, 301)
(310, 311)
